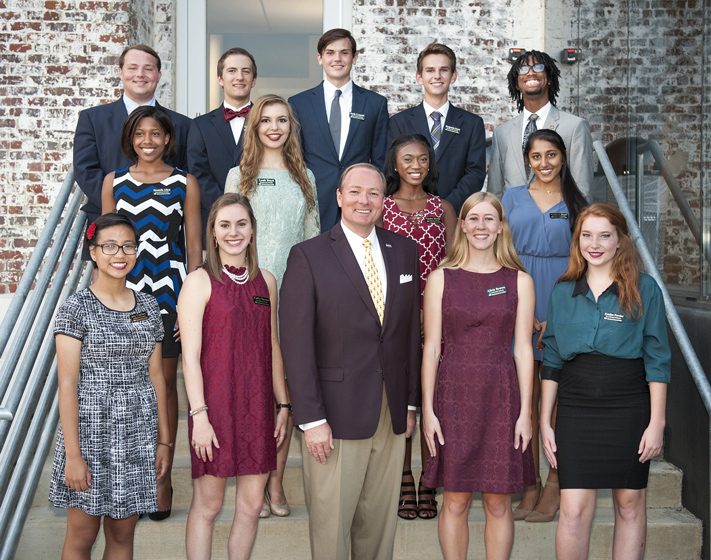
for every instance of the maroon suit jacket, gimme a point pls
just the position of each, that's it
(336, 354)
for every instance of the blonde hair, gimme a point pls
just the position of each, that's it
(503, 246)
(253, 154)
(213, 263)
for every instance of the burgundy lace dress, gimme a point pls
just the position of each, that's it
(426, 227)
(477, 399)
(236, 362)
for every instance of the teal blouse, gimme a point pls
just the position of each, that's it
(577, 324)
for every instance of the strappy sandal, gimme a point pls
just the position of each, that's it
(426, 508)
(406, 507)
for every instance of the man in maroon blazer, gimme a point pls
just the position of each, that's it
(353, 366)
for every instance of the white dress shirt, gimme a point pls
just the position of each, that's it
(131, 105)
(236, 124)
(356, 243)
(346, 103)
(542, 116)
(443, 110)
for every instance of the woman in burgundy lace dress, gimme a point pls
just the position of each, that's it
(476, 404)
(233, 372)
(413, 209)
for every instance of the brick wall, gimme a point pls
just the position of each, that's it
(57, 58)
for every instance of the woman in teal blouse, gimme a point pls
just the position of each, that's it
(607, 360)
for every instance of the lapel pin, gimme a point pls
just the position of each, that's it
(388, 246)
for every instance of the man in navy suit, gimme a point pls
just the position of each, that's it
(457, 136)
(97, 141)
(357, 134)
(215, 140)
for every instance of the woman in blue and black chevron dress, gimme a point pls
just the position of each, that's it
(164, 204)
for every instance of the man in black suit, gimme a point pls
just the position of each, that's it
(215, 140)
(357, 134)
(97, 141)
(457, 136)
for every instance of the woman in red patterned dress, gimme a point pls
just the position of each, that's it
(413, 209)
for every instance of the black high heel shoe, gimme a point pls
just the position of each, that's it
(161, 515)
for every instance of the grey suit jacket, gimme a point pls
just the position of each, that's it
(506, 168)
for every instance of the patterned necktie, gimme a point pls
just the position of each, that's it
(436, 132)
(530, 127)
(372, 278)
(334, 123)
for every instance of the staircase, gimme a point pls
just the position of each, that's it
(673, 533)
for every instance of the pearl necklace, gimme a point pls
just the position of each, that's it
(237, 278)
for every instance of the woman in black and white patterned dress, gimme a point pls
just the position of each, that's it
(113, 439)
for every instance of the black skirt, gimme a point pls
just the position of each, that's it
(603, 410)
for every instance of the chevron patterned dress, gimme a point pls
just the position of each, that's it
(157, 212)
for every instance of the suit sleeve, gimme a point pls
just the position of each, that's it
(87, 170)
(475, 170)
(199, 166)
(295, 109)
(582, 158)
(496, 173)
(379, 148)
(394, 131)
(297, 325)
(415, 339)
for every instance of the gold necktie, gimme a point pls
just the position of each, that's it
(372, 278)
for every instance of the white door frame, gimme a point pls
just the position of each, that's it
(191, 49)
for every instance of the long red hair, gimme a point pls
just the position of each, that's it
(625, 265)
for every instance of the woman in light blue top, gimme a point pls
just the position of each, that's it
(282, 192)
(542, 216)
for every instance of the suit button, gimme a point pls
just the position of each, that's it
(380, 370)
(340, 167)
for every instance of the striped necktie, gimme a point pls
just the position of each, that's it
(436, 132)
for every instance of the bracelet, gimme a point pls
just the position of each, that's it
(197, 410)
(166, 444)
(280, 406)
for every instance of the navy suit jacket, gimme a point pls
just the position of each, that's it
(336, 353)
(461, 156)
(97, 148)
(212, 152)
(366, 141)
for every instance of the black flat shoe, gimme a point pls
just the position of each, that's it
(161, 515)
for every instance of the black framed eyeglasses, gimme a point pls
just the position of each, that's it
(112, 248)
(538, 67)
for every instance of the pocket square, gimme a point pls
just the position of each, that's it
(404, 278)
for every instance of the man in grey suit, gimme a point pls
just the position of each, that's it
(534, 86)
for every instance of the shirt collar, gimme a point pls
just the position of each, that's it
(542, 115)
(330, 90)
(131, 105)
(443, 110)
(582, 288)
(236, 108)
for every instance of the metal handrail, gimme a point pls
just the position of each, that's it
(677, 328)
(28, 377)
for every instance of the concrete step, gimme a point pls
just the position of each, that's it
(672, 534)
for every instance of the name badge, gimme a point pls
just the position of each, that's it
(266, 182)
(357, 116)
(138, 317)
(259, 300)
(161, 192)
(558, 215)
(496, 291)
(433, 220)
(616, 317)
(451, 129)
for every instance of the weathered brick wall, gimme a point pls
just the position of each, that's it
(57, 58)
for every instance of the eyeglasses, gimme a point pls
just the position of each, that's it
(538, 67)
(112, 248)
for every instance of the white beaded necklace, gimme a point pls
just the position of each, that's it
(237, 278)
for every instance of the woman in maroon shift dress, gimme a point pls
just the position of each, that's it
(233, 371)
(476, 404)
(413, 209)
